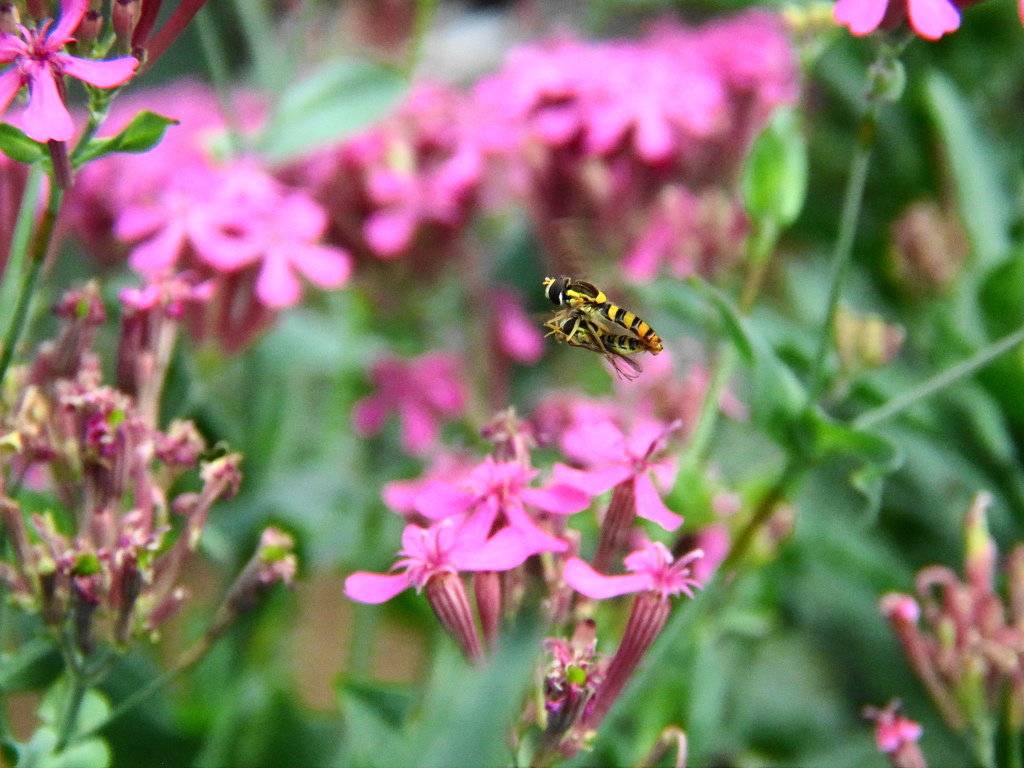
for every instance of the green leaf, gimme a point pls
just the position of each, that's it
(140, 135)
(38, 752)
(877, 456)
(968, 153)
(19, 147)
(340, 98)
(774, 182)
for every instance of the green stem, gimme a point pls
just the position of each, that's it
(424, 15)
(36, 257)
(1013, 747)
(69, 715)
(841, 255)
(951, 375)
(791, 472)
(19, 244)
(219, 75)
(699, 443)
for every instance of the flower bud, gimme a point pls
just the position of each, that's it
(124, 15)
(447, 596)
(980, 549)
(9, 18)
(865, 341)
(928, 248)
(88, 30)
(646, 620)
(487, 589)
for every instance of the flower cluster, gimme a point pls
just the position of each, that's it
(970, 653)
(633, 146)
(108, 561)
(479, 532)
(628, 146)
(897, 735)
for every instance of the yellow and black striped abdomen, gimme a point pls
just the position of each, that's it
(631, 322)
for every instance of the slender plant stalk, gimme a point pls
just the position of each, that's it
(424, 15)
(36, 257)
(72, 708)
(949, 376)
(852, 201)
(19, 244)
(219, 76)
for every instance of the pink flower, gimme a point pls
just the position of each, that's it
(445, 547)
(518, 336)
(931, 19)
(232, 218)
(39, 63)
(495, 494)
(617, 458)
(653, 570)
(424, 391)
(896, 735)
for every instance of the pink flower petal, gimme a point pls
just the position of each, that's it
(326, 267)
(438, 500)
(137, 222)
(71, 13)
(46, 117)
(589, 582)
(10, 84)
(594, 482)
(561, 498)
(419, 428)
(389, 233)
(860, 16)
(505, 550)
(653, 138)
(369, 415)
(649, 505)
(276, 286)
(102, 74)
(375, 587)
(159, 253)
(11, 47)
(933, 18)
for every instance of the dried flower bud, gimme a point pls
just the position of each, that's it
(980, 548)
(273, 561)
(88, 29)
(928, 248)
(9, 18)
(865, 341)
(124, 15)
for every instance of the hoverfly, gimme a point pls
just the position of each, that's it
(576, 330)
(588, 300)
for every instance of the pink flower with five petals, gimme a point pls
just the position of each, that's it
(38, 61)
(495, 494)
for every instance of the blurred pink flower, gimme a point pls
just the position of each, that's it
(653, 570)
(931, 19)
(896, 735)
(714, 541)
(425, 391)
(518, 336)
(38, 62)
(231, 218)
(496, 493)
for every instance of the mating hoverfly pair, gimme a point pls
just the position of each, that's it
(587, 319)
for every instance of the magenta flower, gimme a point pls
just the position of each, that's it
(931, 19)
(653, 570)
(38, 61)
(445, 547)
(517, 335)
(495, 495)
(616, 458)
(425, 391)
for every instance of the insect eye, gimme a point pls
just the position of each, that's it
(569, 326)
